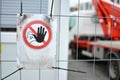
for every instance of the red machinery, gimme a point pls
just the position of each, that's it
(108, 14)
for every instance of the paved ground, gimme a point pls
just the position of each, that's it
(94, 72)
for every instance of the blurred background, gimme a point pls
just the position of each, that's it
(88, 39)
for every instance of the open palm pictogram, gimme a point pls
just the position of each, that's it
(40, 34)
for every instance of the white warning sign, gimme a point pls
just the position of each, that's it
(36, 41)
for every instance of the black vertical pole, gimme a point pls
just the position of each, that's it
(51, 8)
(21, 8)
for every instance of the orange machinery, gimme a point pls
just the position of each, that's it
(108, 14)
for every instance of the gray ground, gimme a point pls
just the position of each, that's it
(94, 72)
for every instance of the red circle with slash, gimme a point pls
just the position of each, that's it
(34, 44)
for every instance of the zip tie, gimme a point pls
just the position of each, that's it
(21, 8)
(69, 70)
(51, 8)
(12, 73)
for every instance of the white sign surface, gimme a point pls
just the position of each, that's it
(36, 41)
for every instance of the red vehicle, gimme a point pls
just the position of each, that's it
(107, 47)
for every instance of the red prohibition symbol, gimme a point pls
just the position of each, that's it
(37, 34)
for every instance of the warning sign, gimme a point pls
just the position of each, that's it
(37, 34)
(36, 41)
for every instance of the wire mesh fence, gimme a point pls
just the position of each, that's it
(82, 26)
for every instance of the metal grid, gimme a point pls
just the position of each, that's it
(8, 25)
(96, 68)
(92, 70)
(9, 9)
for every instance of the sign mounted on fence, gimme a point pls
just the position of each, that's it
(36, 41)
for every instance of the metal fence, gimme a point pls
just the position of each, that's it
(96, 69)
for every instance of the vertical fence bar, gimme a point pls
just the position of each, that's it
(0, 40)
(77, 52)
(59, 30)
(39, 74)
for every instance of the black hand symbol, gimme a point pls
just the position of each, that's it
(40, 34)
